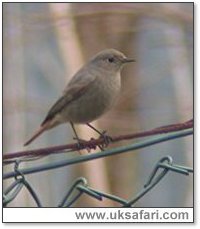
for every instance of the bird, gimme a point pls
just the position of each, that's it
(90, 93)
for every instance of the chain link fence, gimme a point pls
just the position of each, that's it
(81, 187)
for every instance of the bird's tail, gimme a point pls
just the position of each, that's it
(37, 133)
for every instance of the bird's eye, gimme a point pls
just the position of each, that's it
(111, 59)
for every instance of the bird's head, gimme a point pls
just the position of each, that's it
(110, 60)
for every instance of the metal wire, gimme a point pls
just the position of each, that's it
(106, 153)
(13, 190)
(80, 186)
(165, 164)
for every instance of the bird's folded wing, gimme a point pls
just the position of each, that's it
(71, 93)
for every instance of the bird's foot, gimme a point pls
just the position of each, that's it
(106, 140)
(83, 144)
(88, 145)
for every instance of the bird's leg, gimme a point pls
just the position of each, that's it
(80, 141)
(107, 138)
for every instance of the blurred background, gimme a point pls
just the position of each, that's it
(44, 44)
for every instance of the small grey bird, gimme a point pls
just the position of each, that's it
(90, 93)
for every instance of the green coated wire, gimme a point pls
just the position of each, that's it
(106, 153)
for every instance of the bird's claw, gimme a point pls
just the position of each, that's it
(81, 143)
(106, 140)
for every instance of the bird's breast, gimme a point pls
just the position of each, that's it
(98, 99)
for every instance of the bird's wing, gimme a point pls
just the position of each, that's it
(71, 93)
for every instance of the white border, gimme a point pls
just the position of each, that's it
(99, 215)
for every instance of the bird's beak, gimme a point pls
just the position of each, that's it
(127, 60)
